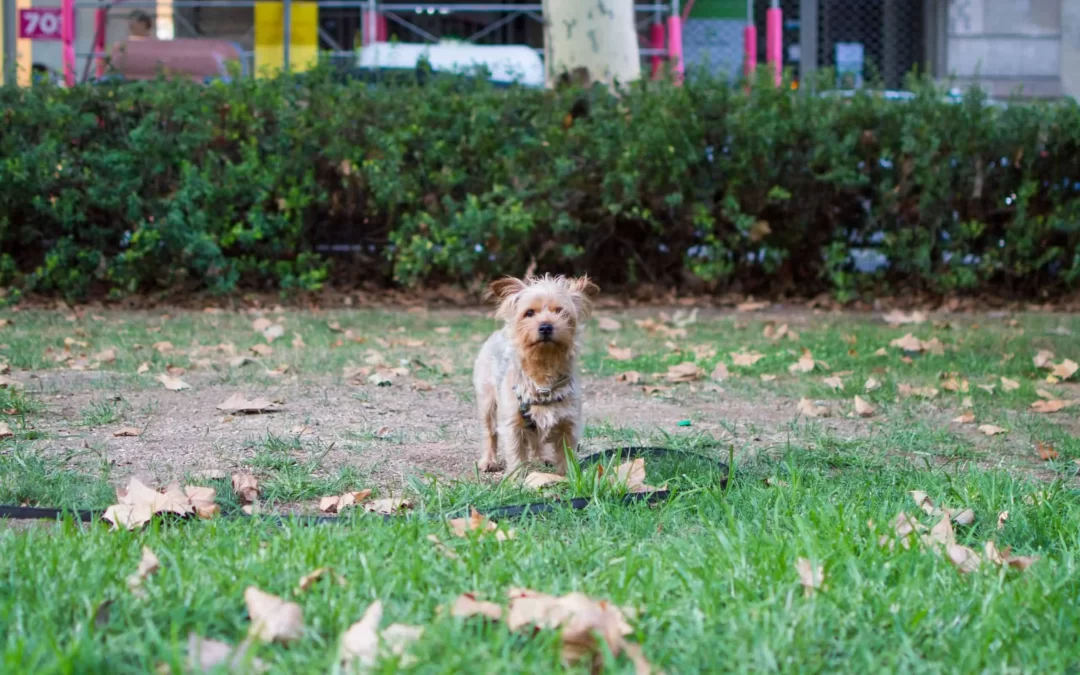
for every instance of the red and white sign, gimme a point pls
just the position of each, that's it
(40, 23)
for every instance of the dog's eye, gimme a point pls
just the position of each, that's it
(558, 310)
(529, 313)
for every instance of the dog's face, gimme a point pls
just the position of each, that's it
(544, 312)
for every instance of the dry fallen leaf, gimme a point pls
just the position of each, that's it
(810, 409)
(908, 343)
(466, 605)
(1044, 359)
(897, 317)
(871, 385)
(476, 522)
(262, 350)
(538, 479)
(607, 324)
(261, 324)
(776, 482)
(835, 383)
(863, 408)
(1051, 406)
(5, 430)
(273, 619)
(360, 643)
(309, 579)
(204, 656)
(745, 359)
(389, 506)
(246, 487)
(172, 383)
(163, 347)
(907, 390)
(991, 430)
(1009, 385)
(1005, 557)
(238, 403)
(147, 566)
(273, 332)
(965, 418)
(337, 503)
(965, 517)
(1065, 369)
(805, 364)
(1046, 451)
(923, 501)
(127, 431)
(1002, 517)
(963, 558)
(619, 353)
(720, 373)
(687, 371)
(751, 306)
(810, 577)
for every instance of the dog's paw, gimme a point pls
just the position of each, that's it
(489, 465)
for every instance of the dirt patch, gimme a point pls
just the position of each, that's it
(388, 432)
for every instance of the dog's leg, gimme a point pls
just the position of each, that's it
(486, 401)
(563, 438)
(513, 443)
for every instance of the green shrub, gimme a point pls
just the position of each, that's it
(256, 183)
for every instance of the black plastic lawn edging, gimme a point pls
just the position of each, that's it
(508, 512)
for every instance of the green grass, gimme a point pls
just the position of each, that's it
(711, 570)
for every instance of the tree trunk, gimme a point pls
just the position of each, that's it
(590, 41)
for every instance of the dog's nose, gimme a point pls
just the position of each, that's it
(546, 330)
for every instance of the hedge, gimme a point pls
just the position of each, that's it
(295, 182)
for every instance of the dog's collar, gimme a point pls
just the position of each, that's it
(544, 396)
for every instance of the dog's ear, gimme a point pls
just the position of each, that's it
(504, 288)
(583, 290)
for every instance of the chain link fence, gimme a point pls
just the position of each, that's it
(871, 41)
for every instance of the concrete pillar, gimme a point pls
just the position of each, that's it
(1070, 48)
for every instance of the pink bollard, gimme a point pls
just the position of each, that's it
(749, 50)
(774, 42)
(657, 37)
(675, 47)
(67, 40)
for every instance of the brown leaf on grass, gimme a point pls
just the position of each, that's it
(1005, 557)
(963, 558)
(687, 371)
(766, 377)
(965, 517)
(991, 430)
(805, 364)
(538, 479)
(138, 503)
(630, 377)
(128, 516)
(1051, 406)
(619, 353)
(751, 306)
(863, 408)
(477, 522)
(466, 605)
(389, 506)
(581, 620)
(105, 356)
(273, 619)
(298, 341)
(398, 637)
(903, 527)
(745, 359)
(202, 500)
(360, 643)
(965, 418)
(262, 350)
(923, 501)
(607, 324)
(1044, 359)
(899, 318)
(442, 330)
(776, 482)
(1002, 517)
(1046, 451)
(719, 373)
(954, 385)
(273, 332)
(337, 503)
(5, 430)
(1009, 385)
(309, 579)
(172, 383)
(442, 548)
(205, 656)
(238, 403)
(246, 487)
(906, 391)
(127, 431)
(941, 533)
(835, 383)
(908, 343)
(1065, 369)
(147, 566)
(810, 577)
(261, 324)
(871, 385)
(988, 388)
(811, 409)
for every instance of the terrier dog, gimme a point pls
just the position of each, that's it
(525, 376)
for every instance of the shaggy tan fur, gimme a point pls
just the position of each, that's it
(525, 377)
